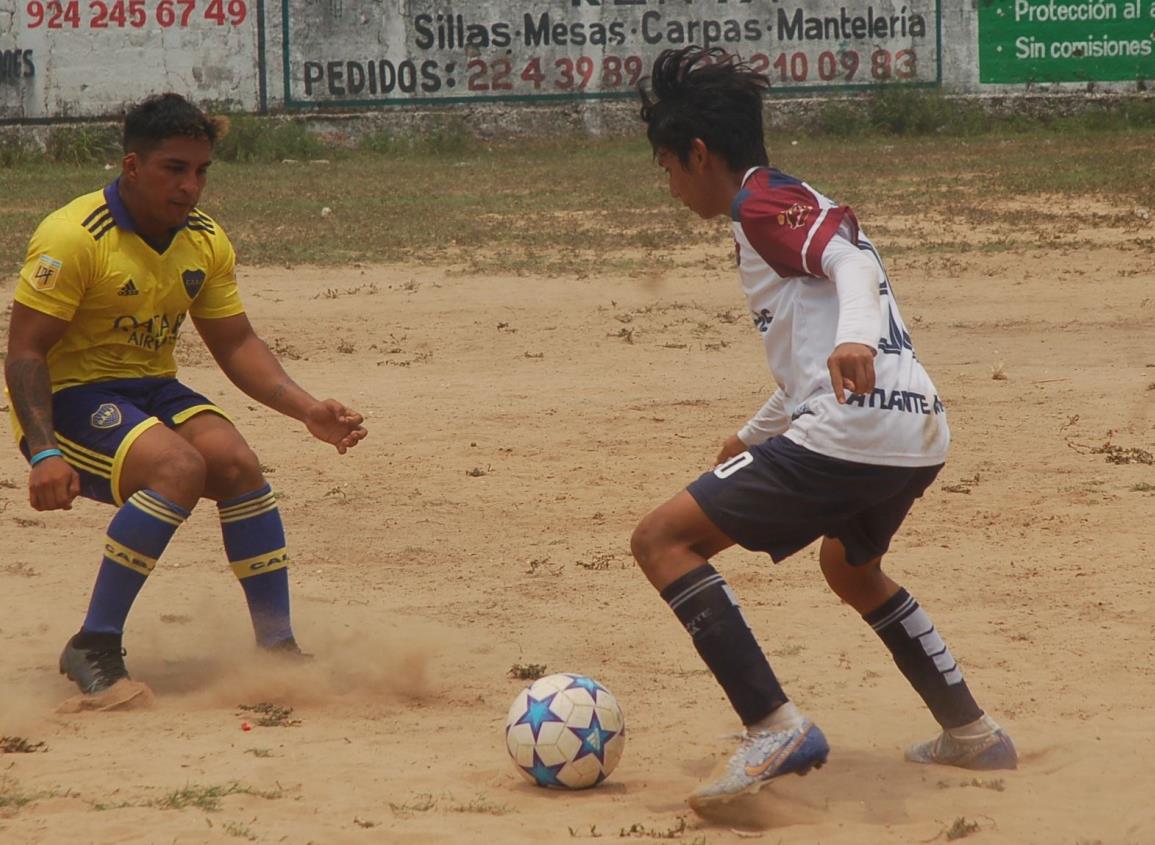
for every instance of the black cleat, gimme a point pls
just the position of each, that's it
(95, 665)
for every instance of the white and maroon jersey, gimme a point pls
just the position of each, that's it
(782, 226)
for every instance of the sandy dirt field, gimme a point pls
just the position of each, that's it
(519, 427)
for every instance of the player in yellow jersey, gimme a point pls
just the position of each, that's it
(97, 408)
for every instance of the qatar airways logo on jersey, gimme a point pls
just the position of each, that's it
(157, 331)
(795, 216)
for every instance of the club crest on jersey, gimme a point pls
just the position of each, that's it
(107, 416)
(46, 272)
(795, 216)
(193, 282)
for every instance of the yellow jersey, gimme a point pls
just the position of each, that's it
(124, 299)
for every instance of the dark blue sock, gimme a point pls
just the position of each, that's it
(705, 605)
(922, 656)
(136, 537)
(255, 545)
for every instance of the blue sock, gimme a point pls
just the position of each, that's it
(136, 537)
(707, 607)
(255, 545)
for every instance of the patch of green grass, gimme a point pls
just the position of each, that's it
(261, 139)
(20, 745)
(15, 149)
(993, 784)
(272, 715)
(641, 831)
(11, 794)
(481, 804)
(208, 798)
(902, 110)
(83, 144)
(102, 806)
(961, 828)
(526, 671)
(598, 563)
(560, 207)
(240, 830)
(449, 137)
(1123, 454)
(423, 802)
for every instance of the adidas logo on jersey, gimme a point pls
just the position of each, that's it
(128, 289)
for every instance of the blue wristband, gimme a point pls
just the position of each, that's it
(44, 455)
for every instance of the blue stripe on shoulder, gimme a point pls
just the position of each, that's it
(736, 205)
(778, 179)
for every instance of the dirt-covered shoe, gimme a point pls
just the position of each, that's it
(95, 665)
(993, 750)
(762, 756)
(287, 649)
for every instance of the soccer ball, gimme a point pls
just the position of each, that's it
(565, 731)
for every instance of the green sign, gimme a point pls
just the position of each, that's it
(1066, 40)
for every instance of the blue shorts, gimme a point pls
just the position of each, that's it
(779, 498)
(97, 423)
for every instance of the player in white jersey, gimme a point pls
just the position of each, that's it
(854, 434)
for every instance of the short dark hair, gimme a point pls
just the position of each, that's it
(709, 94)
(156, 119)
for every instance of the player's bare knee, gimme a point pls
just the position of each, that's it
(858, 586)
(845, 588)
(179, 474)
(648, 540)
(234, 472)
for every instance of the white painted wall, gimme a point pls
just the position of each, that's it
(87, 58)
(81, 58)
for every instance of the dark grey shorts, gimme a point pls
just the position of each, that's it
(779, 497)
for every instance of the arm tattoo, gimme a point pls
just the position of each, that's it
(31, 388)
(279, 391)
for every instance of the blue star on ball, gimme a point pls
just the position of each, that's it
(537, 713)
(588, 684)
(593, 739)
(542, 774)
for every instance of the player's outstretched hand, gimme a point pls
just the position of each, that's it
(733, 446)
(332, 422)
(851, 368)
(52, 485)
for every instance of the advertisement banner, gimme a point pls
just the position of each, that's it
(370, 52)
(1066, 40)
(87, 58)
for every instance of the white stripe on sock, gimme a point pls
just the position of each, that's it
(895, 614)
(693, 590)
(919, 627)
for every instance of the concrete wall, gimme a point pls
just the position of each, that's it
(63, 59)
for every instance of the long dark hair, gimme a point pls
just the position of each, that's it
(694, 92)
